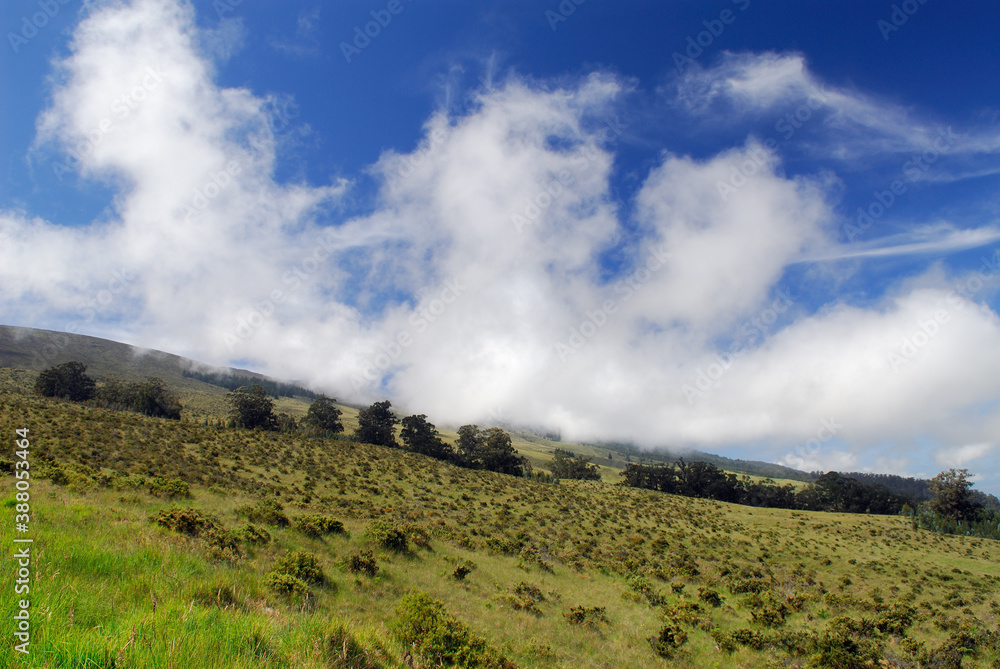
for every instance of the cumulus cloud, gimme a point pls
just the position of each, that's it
(477, 287)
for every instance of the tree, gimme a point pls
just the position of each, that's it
(68, 381)
(565, 466)
(375, 425)
(150, 397)
(324, 415)
(251, 407)
(490, 449)
(470, 443)
(422, 437)
(953, 496)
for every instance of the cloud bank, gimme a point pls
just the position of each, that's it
(479, 286)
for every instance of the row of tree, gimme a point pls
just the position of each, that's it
(70, 381)
(488, 449)
(830, 492)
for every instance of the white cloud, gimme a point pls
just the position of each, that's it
(963, 455)
(474, 287)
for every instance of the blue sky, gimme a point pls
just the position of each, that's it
(763, 229)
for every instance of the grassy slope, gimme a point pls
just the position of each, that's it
(119, 591)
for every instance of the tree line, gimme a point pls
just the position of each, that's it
(70, 381)
(273, 388)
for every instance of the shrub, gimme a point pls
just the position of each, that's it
(265, 511)
(341, 649)
(670, 638)
(363, 563)
(169, 488)
(286, 584)
(318, 525)
(389, 535)
(424, 624)
(302, 565)
(581, 615)
(524, 597)
(255, 535)
(461, 571)
(186, 521)
(710, 597)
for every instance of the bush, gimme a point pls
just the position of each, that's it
(265, 511)
(318, 525)
(581, 615)
(342, 650)
(255, 535)
(425, 625)
(285, 584)
(169, 488)
(389, 535)
(710, 597)
(461, 571)
(186, 521)
(670, 638)
(302, 565)
(363, 563)
(524, 597)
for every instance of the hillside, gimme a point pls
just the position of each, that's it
(724, 585)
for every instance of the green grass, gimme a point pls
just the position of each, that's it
(113, 589)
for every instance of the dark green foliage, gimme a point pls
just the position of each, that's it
(265, 511)
(589, 617)
(362, 563)
(422, 437)
(255, 535)
(67, 381)
(185, 521)
(169, 488)
(670, 638)
(461, 571)
(953, 495)
(389, 535)
(150, 398)
(301, 565)
(830, 492)
(318, 525)
(710, 597)
(251, 408)
(524, 597)
(376, 424)
(565, 466)
(286, 584)
(324, 416)
(233, 381)
(424, 624)
(491, 450)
